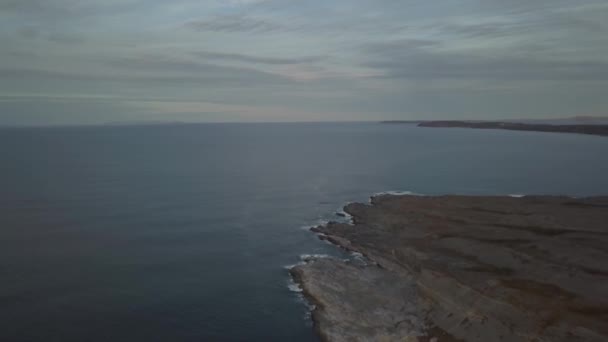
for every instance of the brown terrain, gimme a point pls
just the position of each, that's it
(464, 268)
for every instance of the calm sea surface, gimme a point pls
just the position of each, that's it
(182, 233)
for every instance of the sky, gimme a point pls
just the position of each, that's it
(109, 61)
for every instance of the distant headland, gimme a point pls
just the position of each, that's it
(557, 126)
(516, 126)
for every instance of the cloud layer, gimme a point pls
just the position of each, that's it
(299, 60)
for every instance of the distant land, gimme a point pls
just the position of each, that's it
(593, 125)
(517, 126)
(575, 120)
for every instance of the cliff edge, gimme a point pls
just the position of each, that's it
(464, 268)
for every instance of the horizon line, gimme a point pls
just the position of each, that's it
(168, 123)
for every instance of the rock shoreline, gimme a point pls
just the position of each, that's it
(464, 268)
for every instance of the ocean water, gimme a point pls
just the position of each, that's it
(183, 233)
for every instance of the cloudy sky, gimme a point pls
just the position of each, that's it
(98, 61)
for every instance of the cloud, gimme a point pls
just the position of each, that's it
(380, 57)
(539, 43)
(65, 38)
(45, 111)
(29, 32)
(578, 20)
(24, 5)
(153, 73)
(174, 69)
(416, 61)
(234, 24)
(33, 32)
(236, 57)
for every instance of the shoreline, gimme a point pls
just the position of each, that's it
(463, 268)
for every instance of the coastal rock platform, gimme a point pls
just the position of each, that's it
(464, 268)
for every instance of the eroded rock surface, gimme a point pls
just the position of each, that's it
(467, 268)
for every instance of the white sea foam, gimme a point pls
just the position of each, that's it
(396, 193)
(299, 295)
(305, 257)
(346, 217)
(288, 267)
(320, 222)
(294, 287)
(342, 213)
(359, 259)
(517, 195)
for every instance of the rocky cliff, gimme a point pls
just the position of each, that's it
(463, 268)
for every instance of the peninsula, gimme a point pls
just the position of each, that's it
(464, 268)
(515, 126)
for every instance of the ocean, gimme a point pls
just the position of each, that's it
(185, 232)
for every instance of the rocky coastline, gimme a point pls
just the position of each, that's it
(464, 268)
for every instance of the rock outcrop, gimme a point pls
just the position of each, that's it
(464, 268)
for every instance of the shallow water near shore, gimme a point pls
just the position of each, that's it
(183, 232)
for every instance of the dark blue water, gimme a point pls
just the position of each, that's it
(181, 233)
